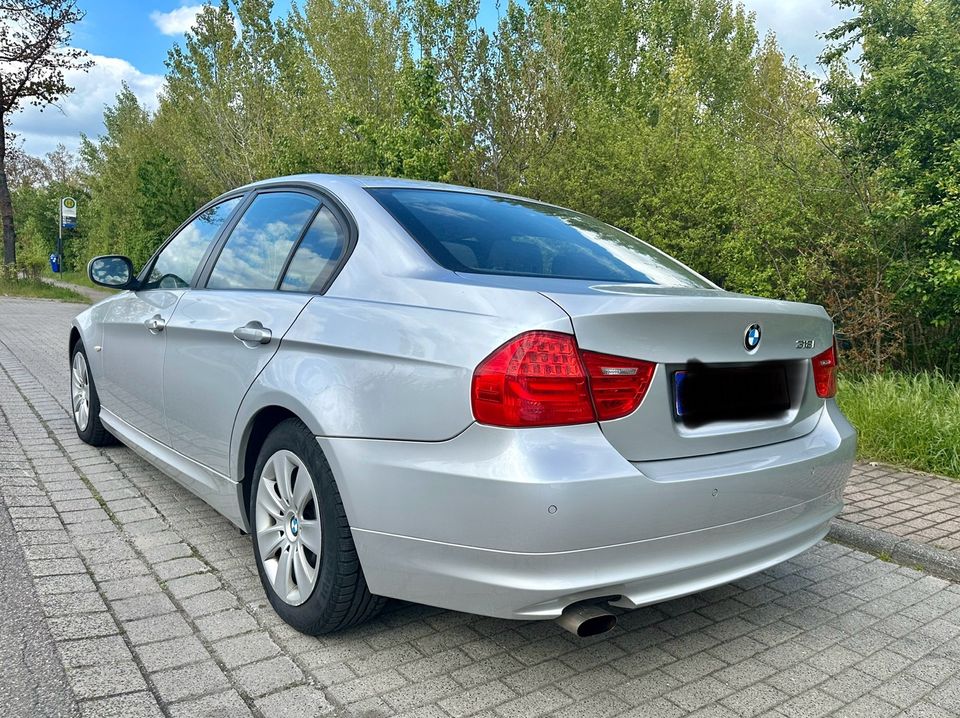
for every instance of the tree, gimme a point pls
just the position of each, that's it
(23, 170)
(140, 190)
(33, 58)
(671, 119)
(901, 123)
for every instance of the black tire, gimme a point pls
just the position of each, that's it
(94, 433)
(340, 598)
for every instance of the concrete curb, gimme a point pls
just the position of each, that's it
(936, 561)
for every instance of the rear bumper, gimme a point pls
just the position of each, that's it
(519, 524)
(541, 585)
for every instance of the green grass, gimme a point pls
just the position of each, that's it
(36, 288)
(906, 419)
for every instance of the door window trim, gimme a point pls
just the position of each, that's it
(231, 220)
(296, 245)
(325, 199)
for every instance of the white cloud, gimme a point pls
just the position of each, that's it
(798, 24)
(82, 110)
(176, 22)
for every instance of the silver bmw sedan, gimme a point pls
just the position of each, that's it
(463, 399)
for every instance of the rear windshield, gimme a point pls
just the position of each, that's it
(483, 234)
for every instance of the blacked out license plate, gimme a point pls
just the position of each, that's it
(705, 394)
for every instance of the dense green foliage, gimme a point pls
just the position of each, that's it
(900, 126)
(38, 185)
(906, 419)
(669, 118)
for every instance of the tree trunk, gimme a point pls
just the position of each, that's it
(6, 204)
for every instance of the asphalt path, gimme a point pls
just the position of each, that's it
(33, 683)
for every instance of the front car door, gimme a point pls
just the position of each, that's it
(223, 333)
(133, 327)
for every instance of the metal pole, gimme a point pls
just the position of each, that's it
(60, 241)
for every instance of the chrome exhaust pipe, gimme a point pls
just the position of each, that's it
(584, 620)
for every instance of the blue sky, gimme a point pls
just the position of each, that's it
(128, 41)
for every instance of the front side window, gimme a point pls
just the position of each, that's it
(178, 261)
(485, 234)
(258, 247)
(317, 256)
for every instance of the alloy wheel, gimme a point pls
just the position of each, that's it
(80, 383)
(288, 527)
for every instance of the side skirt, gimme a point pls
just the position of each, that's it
(219, 491)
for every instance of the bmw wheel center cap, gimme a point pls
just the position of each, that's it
(751, 337)
(294, 526)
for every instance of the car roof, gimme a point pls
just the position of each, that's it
(334, 181)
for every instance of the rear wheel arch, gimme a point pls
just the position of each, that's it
(256, 432)
(338, 596)
(256, 428)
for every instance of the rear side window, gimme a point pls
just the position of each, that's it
(317, 255)
(484, 234)
(178, 261)
(258, 247)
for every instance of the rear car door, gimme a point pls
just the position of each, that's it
(134, 340)
(279, 254)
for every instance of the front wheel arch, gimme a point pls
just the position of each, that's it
(74, 340)
(94, 432)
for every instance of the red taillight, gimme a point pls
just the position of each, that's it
(536, 379)
(541, 379)
(617, 384)
(825, 372)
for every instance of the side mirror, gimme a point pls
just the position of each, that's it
(112, 270)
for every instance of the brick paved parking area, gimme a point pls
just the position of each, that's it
(154, 605)
(907, 504)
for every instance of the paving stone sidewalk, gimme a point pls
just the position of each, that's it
(911, 505)
(155, 608)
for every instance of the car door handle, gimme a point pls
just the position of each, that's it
(253, 333)
(155, 324)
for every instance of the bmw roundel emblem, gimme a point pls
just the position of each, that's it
(751, 337)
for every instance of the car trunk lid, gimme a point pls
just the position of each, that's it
(712, 390)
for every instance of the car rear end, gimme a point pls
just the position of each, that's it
(660, 437)
(515, 518)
